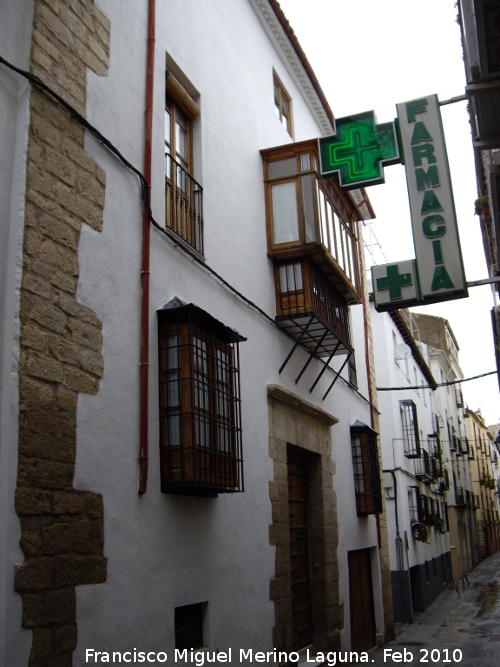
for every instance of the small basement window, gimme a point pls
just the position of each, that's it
(200, 415)
(189, 626)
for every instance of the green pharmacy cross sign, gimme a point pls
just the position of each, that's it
(394, 281)
(359, 150)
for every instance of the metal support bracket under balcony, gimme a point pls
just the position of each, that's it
(319, 340)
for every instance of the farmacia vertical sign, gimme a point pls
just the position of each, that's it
(437, 273)
(435, 234)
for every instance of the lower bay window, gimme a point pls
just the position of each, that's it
(365, 461)
(200, 417)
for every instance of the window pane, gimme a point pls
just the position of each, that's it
(173, 428)
(285, 215)
(172, 389)
(309, 195)
(322, 218)
(202, 424)
(329, 216)
(173, 351)
(181, 142)
(347, 247)
(168, 163)
(291, 277)
(284, 120)
(167, 127)
(200, 355)
(336, 229)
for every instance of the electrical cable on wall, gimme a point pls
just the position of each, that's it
(145, 189)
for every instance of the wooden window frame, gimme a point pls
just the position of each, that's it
(317, 202)
(176, 115)
(366, 468)
(183, 195)
(409, 424)
(200, 416)
(282, 104)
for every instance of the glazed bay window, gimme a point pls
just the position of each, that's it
(312, 241)
(200, 422)
(365, 461)
(183, 194)
(310, 215)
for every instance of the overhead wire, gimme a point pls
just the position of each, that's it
(438, 384)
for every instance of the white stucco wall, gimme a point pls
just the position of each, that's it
(15, 35)
(165, 551)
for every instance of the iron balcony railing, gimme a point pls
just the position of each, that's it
(459, 495)
(425, 468)
(302, 288)
(183, 204)
(409, 421)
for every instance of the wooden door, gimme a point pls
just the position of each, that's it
(361, 599)
(298, 483)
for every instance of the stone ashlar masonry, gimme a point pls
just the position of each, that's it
(296, 422)
(60, 338)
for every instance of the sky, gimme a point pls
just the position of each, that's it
(369, 55)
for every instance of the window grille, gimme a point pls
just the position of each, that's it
(200, 413)
(414, 504)
(411, 437)
(436, 454)
(425, 467)
(444, 511)
(366, 469)
(353, 375)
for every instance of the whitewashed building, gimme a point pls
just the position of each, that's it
(172, 476)
(443, 349)
(428, 479)
(414, 453)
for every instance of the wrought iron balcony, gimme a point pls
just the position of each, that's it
(311, 310)
(303, 293)
(459, 495)
(411, 436)
(425, 468)
(183, 204)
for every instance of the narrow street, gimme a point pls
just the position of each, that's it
(458, 628)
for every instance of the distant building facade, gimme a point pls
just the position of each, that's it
(417, 481)
(484, 454)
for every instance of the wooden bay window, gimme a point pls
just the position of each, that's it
(200, 417)
(365, 461)
(310, 215)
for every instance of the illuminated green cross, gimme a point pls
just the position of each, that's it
(394, 281)
(359, 150)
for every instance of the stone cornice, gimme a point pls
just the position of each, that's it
(294, 401)
(297, 61)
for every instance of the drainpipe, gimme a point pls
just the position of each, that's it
(365, 325)
(146, 242)
(366, 315)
